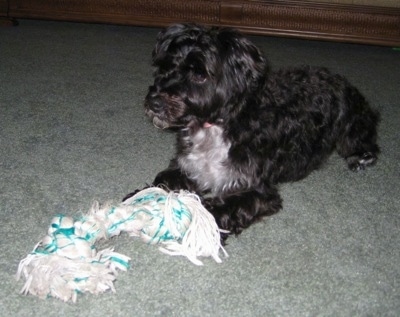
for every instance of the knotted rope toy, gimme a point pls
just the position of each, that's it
(65, 262)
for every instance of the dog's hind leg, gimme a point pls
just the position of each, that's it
(357, 143)
(237, 211)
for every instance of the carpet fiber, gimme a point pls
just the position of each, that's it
(73, 130)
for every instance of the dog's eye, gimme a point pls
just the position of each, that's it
(195, 70)
(197, 74)
(198, 77)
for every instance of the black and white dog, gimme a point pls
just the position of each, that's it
(242, 128)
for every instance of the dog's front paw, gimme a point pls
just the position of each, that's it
(133, 193)
(173, 179)
(218, 210)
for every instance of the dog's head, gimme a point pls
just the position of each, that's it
(201, 75)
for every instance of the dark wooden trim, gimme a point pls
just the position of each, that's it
(4, 19)
(3, 8)
(290, 18)
(346, 23)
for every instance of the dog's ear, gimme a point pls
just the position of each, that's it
(242, 61)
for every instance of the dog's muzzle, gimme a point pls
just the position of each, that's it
(154, 108)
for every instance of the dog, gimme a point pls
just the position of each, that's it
(242, 128)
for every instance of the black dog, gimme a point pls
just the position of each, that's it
(242, 128)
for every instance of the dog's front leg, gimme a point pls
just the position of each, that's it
(237, 211)
(173, 178)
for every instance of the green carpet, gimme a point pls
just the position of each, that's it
(73, 130)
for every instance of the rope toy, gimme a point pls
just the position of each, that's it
(65, 262)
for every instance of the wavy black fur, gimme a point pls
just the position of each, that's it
(243, 128)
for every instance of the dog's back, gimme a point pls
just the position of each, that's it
(312, 112)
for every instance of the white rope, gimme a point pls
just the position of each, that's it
(65, 262)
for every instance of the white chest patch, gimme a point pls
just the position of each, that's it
(207, 162)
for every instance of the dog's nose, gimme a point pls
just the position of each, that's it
(154, 103)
